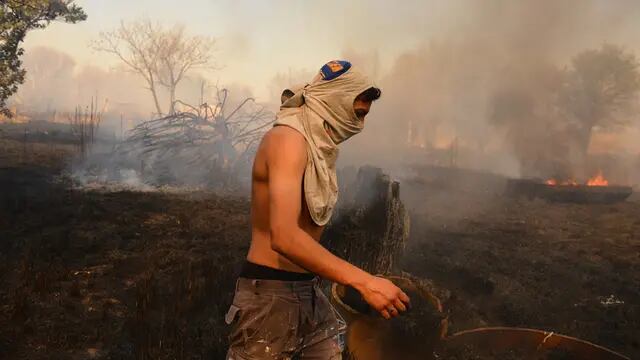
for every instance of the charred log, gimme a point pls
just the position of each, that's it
(371, 225)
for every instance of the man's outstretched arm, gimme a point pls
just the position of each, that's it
(286, 163)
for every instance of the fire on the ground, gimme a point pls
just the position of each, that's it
(596, 180)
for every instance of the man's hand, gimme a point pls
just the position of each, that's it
(384, 296)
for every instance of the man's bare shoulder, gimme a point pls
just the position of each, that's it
(283, 144)
(286, 134)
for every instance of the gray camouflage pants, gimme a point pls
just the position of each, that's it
(278, 320)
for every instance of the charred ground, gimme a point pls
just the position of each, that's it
(568, 268)
(149, 275)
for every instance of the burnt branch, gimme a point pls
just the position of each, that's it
(222, 136)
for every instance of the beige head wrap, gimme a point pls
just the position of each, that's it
(323, 113)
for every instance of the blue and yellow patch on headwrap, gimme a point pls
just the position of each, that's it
(333, 69)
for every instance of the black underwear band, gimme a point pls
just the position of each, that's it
(261, 272)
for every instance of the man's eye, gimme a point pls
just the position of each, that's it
(361, 113)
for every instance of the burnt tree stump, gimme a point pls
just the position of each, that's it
(371, 225)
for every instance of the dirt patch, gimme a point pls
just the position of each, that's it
(114, 275)
(121, 275)
(121, 286)
(568, 268)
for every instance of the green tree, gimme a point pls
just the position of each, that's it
(601, 88)
(17, 17)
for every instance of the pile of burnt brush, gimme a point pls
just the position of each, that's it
(208, 145)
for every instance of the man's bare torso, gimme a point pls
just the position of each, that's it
(283, 233)
(260, 251)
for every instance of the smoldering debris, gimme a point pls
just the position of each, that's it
(208, 145)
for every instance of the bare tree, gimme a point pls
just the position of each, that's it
(161, 56)
(133, 44)
(179, 54)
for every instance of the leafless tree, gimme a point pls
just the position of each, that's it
(161, 56)
(179, 54)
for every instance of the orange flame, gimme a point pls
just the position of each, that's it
(598, 180)
(554, 182)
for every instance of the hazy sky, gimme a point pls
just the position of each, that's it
(439, 62)
(258, 38)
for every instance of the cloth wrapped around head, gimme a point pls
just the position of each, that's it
(322, 111)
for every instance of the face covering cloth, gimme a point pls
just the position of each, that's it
(322, 111)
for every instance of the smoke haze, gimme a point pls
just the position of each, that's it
(446, 69)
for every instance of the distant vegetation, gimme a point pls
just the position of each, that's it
(559, 108)
(17, 18)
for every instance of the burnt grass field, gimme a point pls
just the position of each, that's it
(149, 275)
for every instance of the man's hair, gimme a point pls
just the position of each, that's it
(371, 94)
(288, 93)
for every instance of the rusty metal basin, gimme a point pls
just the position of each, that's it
(368, 336)
(535, 344)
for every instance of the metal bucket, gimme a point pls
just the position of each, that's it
(368, 332)
(530, 343)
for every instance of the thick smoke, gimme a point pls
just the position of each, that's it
(483, 91)
(56, 84)
(466, 83)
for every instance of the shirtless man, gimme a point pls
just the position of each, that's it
(278, 311)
